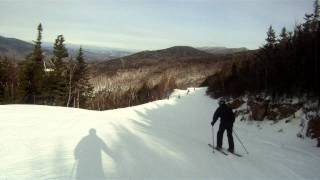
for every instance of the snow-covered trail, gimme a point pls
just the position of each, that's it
(166, 139)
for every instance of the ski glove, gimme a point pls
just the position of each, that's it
(212, 123)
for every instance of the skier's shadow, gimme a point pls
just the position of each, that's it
(88, 156)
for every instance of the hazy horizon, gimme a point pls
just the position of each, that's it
(151, 24)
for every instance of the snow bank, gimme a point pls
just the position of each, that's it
(166, 139)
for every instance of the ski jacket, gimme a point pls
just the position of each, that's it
(225, 114)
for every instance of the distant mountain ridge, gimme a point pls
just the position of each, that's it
(172, 52)
(19, 49)
(145, 58)
(14, 48)
(222, 50)
(92, 53)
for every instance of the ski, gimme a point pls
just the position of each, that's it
(234, 153)
(219, 150)
(210, 145)
(223, 151)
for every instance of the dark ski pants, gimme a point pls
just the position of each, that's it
(229, 134)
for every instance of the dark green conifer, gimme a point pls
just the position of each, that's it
(32, 74)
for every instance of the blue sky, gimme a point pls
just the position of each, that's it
(151, 24)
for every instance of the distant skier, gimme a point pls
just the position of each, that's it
(227, 119)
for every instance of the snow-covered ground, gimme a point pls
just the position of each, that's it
(166, 139)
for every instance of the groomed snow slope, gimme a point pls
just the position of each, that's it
(166, 139)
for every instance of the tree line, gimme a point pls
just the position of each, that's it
(147, 92)
(287, 64)
(56, 80)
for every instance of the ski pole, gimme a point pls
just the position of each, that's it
(240, 141)
(212, 138)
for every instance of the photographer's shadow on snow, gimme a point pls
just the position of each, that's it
(88, 156)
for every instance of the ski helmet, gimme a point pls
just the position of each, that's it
(222, 101)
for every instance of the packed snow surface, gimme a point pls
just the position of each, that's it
(166, 139)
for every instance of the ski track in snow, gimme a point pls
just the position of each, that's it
(165, 139)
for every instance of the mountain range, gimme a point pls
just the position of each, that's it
(18, 49)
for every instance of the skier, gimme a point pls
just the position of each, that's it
(227, 119)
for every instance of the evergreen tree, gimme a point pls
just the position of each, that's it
(266, 55)
(2, 79)
(37, 55)
(317, 10)
(32, 74)
(82, 88)
(8, 80)
(59, 52)
(56, 87)
(317, 48)
(271, 39)
(284, 36)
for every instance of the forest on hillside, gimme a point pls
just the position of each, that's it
(287, 64)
